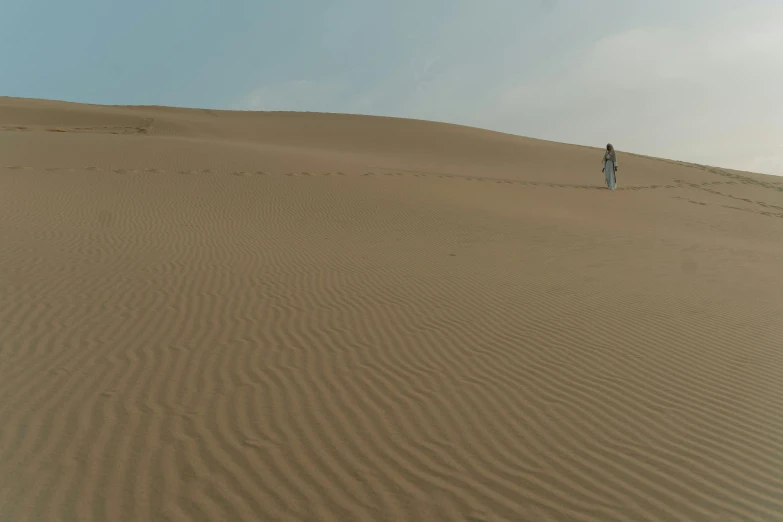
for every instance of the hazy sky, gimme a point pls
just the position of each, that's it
(697, 80)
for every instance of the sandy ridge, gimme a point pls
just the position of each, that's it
(227, 343)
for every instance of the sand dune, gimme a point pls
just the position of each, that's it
(209, 315)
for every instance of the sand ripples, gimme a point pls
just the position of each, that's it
(323, 348)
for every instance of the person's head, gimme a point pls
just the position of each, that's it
(609, 146)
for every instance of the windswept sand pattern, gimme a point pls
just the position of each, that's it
(249, 342)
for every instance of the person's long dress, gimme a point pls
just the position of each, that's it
(609, 165)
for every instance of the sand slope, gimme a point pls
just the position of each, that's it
(209, 316)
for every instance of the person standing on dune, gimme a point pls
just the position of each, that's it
(610, 167)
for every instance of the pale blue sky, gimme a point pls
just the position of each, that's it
(697, 80)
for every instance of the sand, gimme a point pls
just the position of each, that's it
(240, 316)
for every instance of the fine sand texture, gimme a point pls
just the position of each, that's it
(246, 316)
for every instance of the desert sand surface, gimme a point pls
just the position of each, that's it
(246, 316)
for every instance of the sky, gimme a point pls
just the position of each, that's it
(694, 80)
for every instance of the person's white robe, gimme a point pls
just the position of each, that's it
(609, 173)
